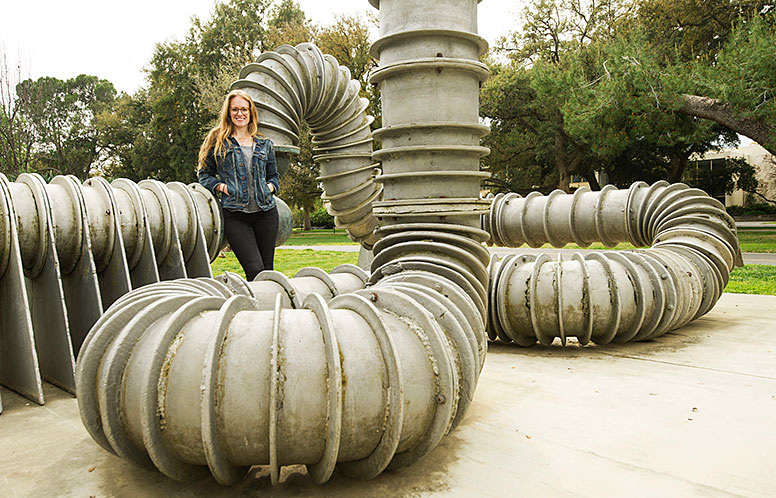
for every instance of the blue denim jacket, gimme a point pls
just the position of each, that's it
(230, 168)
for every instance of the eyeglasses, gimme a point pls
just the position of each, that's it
(239, 110)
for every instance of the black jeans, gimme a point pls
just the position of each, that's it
(252, 239)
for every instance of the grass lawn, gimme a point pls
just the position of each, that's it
(290, 261)
(757, 240)
(752, 240)
(318, 238)
(751, 279)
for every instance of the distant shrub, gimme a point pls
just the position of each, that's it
(321, 219)
(752, 209)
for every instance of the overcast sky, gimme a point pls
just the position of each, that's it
(115, 40)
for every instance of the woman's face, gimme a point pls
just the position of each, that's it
(240, 112)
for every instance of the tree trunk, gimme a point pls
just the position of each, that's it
(306, 225)
(724, 114)
(561, 162)
(677, 164)
(593, 181)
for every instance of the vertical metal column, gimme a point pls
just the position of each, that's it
(429, 77)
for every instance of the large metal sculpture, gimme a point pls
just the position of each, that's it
(346, 369)
(190, 376)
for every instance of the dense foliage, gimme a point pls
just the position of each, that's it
(614, 90)
(627, 90)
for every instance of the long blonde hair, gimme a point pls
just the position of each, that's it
(216, 138)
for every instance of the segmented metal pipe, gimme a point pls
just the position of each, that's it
(69, 250)
(291, 85)
(608, 296)
(267, 285)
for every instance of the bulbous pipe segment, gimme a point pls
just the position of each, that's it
(429, 78)
(269, 373)
(327, 382)
(102, 208)
(299, 84)
(608, 296)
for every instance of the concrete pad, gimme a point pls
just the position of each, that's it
(690, 414)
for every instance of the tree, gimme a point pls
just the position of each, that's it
(541, 60)
(237, 28)
(349, 41)
(187, 81)
(694, 28)
(288, 25)
(16, 134)
(62, 115)
(610, 93)
(617, 109)
(715, 61)
(521, 132)
(299, 187)
(720, 177)
(739, 89)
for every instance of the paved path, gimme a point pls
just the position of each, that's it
(750, 258)
(756, 224)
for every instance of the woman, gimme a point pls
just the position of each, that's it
(238, 163)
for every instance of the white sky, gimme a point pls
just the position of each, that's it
(115, 40)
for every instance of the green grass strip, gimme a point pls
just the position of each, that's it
(290, 261)
(751, 279)
(759, 240)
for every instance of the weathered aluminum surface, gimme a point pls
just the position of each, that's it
(323, 383)
(376, 376)
(164, 230)
(18, 359)
(429, 78)
(136, 233)
(80, 283)
(111, 261)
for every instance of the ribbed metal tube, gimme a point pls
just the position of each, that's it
(135, 212)
(612, 295)
(430, 74)
(291, 85)
(265, 288)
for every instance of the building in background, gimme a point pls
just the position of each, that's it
(700, 173)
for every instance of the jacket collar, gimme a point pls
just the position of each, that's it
(256, 139)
